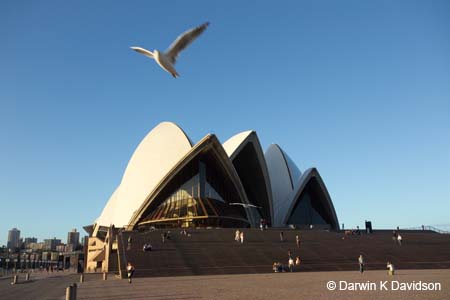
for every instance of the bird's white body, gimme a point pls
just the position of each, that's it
(166, 60)
(244, 205)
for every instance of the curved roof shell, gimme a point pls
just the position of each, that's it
(244, 150)
(307, 177)
(210, 144)
(270, 181)
(157, 153)
(283, 175)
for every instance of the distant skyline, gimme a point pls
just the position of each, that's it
(16, 237)
(358, 89)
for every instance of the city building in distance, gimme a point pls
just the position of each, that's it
(50, 244)
(73, 237)
(13, 239)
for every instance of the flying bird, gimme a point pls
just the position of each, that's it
(244, 205)
(166, 60)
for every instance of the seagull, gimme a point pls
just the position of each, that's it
(244, 205)
(166, 60)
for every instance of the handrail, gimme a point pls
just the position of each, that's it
(430, 228)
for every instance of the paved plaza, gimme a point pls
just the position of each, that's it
(40, 286)
(298, 285)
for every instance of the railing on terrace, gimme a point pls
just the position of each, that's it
(431, 228)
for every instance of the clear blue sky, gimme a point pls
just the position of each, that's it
(358, 89)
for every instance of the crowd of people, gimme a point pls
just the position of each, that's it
(147, 247)
(263, 224)
(239, 236)
(277, 267)
(397, 239)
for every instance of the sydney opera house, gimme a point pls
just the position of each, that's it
(172, 182)
(214, 188)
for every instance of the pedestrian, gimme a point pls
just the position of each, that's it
(275, 267)
(390, 268)
(289, 253)
(361, 263)
(147, 247)
(281, 236)
(242, 237)
(399, 240)
(237, 235)
(130, 271)
(129, 242)
(297, 261)
(297, 240)
(291, 264)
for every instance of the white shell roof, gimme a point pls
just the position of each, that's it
(233, 143)
(283, 174)
(294, 171)
(165, 146)
(158, 152)
(236, 143)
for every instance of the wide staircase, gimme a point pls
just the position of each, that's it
(214, 251)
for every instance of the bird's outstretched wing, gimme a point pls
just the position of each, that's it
(244, 205)
(183, 41)
(251, 205)
(143, 51)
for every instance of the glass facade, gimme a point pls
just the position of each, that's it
(201, 201)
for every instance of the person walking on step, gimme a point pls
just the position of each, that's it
(297, 240)
(399, 239)
(130, 271)
(390, 268)
(291, 264)
(237, 235)
(361, 263)
(242, 237)
(129, 243)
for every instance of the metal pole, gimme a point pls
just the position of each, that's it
(74, 292)
(69, 292)
(27, 277)
(82, 278)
